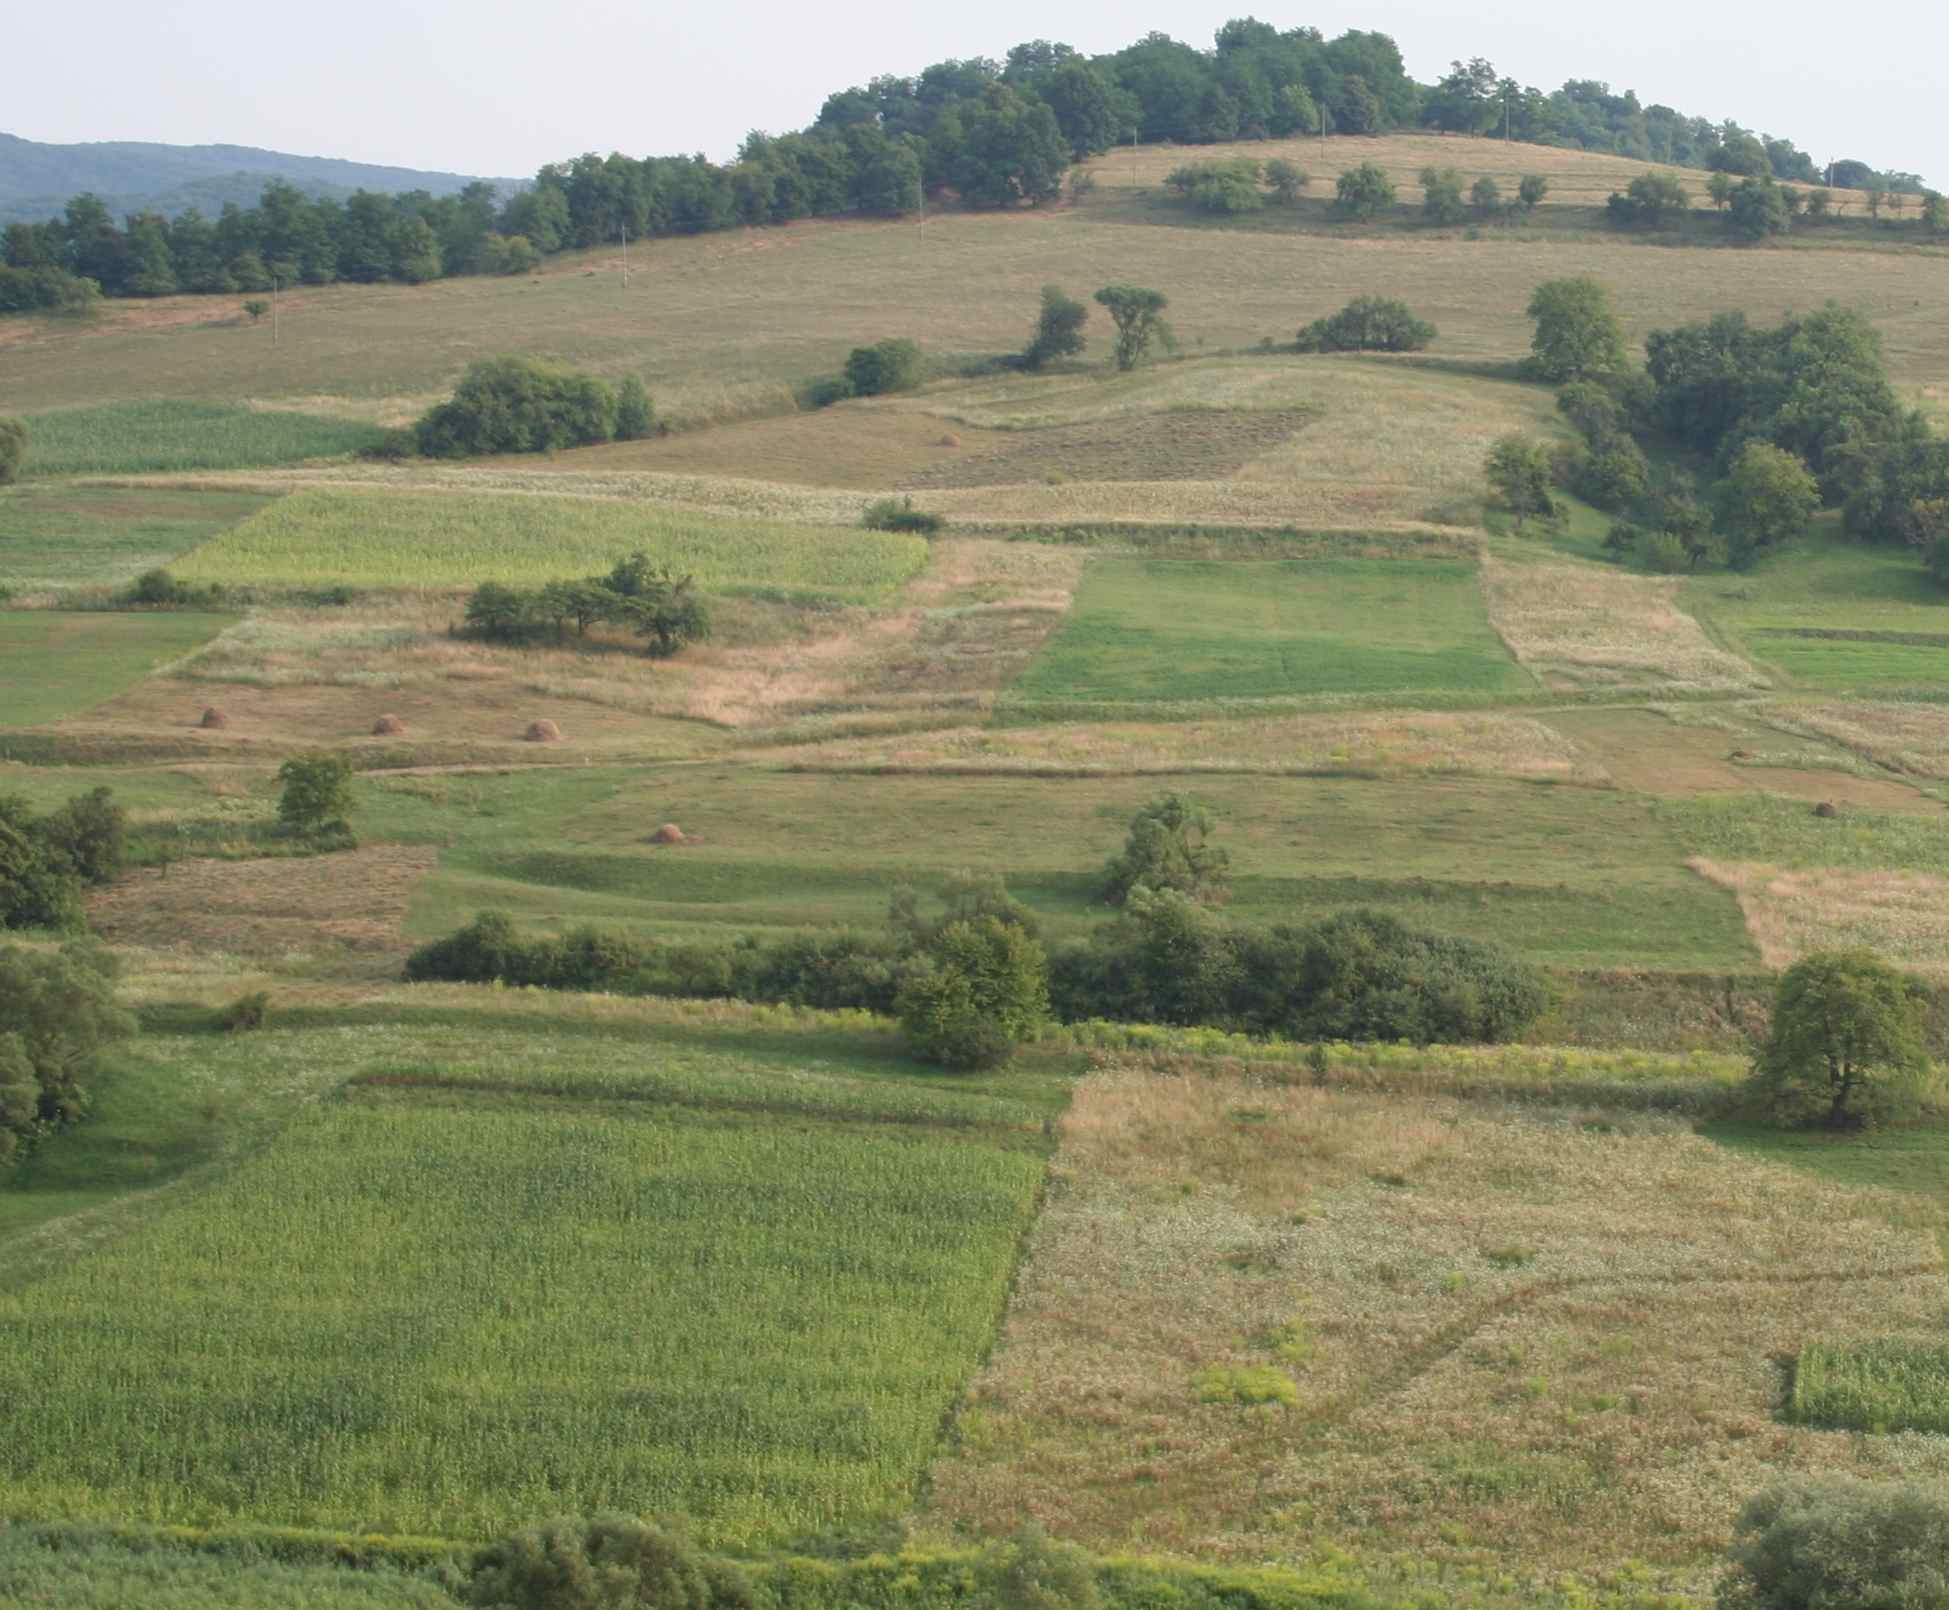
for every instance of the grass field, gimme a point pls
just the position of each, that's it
(163, 435)
(54, 665)
(1143, 630)
(1878, 1386)
(549, 1327)
(1520, 1343)
(73, 536)
(314, 537)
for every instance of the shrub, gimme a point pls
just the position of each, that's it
(1663, 554)
(980, 987)
(13, 449)
(1648, 202)
(36, 890)
(88, 836)
(57, 1017)
(1612, 475)
(316, 796)
(825, 391)
(1441, 196)
(1837, 1543)
(899, 514)
(1485, 196)
(1169, 847)
(1519, 472)
(891, 365)
(479, 953)
(1759, 208)
(1030, 1571)
(1368, 324)
(649, 600)
(1286, 179)
(1577, 333)
(1531, 191)
(160, 589)
(246, 1013)
(394, 446)
(1058, 328)
(635, 418)
(609, 1562)
(514, 405)
(1845, 1046)
(1227, 187)
(1363, 192)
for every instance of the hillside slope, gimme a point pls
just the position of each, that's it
(36, 178)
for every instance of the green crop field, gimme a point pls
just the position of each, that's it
(62, 535)
(531, 1334)
(453, 540)
(54, 665)
(1174, 630)
(163, 434)
(1878, 1386)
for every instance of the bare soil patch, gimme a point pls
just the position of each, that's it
(1193, 445)
(276, 909)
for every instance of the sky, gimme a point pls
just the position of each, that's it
(497, 88)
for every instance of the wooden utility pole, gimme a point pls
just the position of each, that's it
(623, 230)
(273, 310)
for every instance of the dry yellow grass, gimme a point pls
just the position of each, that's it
(1582, 626)
(1478, 744)
(1904, 736)
(1513, 1337)
(1577, 178)
(1902, 915)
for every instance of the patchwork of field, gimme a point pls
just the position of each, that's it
(1258, 1321)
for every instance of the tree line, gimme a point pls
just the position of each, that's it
(987, 133)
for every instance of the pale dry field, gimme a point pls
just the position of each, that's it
(1477, 744)
(1904, 736)
(1508, 1336)
(1903, 916)
(1584, 626)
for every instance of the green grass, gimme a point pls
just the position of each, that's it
(372, 539)
(1172, 629)
(1833, 614)
(54, 665)
(161, 435)
(1877, 1386)
(1785, 832)
(1578, 876)
(511, 1307)
(67, 536)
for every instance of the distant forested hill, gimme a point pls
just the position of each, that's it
(36, 179)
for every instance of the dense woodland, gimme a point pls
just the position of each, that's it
(981, 132)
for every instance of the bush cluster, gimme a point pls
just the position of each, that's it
(13, 449)
(1607, 468)
(1818, 1541)
(45, 860)
(1224, 187)
(650, 601)
(515, 405)
(57, 1016)
(1368, 324)
(157, 589)
(891, 365)
(899, 514)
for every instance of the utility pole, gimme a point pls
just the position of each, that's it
(1322, 125)
(623, 230)
(274, 310)
(1505, 120)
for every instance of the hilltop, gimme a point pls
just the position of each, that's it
(37, 178)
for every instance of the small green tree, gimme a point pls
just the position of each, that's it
(1531, 190)
(979, 989)
(57, 1017)
(317, 792)
(1058, 328)
(1286, 179)
(1719, 187)
(1648, 202)
(635, 418)
(1441, 196)
(1227, 187)
(1845, 1046)
(1577, 332)
(1485, 196)
(891, 365)
(1364, 192)
(1759, 210)
(1838, 1543)
(1819, 203)
(1368, 324)
(1520, 475)
(1138, 314)
(256, 307)
(1169, 847)
(13, 449)
(1765, 501)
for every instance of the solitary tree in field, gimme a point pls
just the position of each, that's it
(1485, 196)
(1363, 192)
(1531, 191)
(1170, 847)
(317, 792)
(1139, 317)
(1058, 328)
(1765, 501)
(1286, 179)
(1846, 1042)
(13, 449)
(1519, 473)
(1577, 332)
(257, 307)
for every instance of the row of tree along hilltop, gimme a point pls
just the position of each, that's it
(987, 133)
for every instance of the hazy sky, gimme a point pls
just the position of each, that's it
(494, 87)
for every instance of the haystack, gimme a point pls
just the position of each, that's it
(388, 727)
(669, 833)
(213, 718)
(1827, 808)
(950, 440)
(543, 732)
